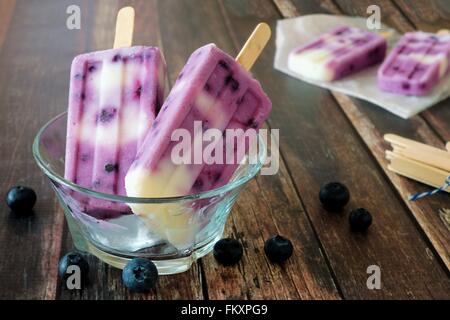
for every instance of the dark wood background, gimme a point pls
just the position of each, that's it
(324, 136)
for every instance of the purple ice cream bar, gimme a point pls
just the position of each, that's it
(416, 65)
(338, 53)
(215, 91)
(114, 98)
(212, 89)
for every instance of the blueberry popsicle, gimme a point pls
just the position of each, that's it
(338, 53)
(114, 98)
(416, 65)
(217, 91)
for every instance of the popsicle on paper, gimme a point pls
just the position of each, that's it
(218, 91)
(114, 97)
(416, 65)
(338, 53)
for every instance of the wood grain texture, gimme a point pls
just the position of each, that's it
(267, 206)
(336, 153)
(33, 88)
(6, 13)
(319, 143)
(372, 123)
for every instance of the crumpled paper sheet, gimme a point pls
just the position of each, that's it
(292, 33)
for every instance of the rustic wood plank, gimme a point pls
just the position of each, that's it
(33, 88)
(328, 149)
(429, 16)
(268, 205)
(6, 13)
(106, 281)
(371, 123)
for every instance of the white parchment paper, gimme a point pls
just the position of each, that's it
(292, 33)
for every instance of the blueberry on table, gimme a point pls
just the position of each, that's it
(278, 249)
(228, 251)
(140, 275)
(334, 196)
(21, 199)
(73, 258)
(360, 219)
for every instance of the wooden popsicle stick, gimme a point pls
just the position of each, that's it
(124, 28)
(443, 32)
(447, 146)
(416, 170)
(408, 143)
(385, 34)
(254, 46)
(430, 159)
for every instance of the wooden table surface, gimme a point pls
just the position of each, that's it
(324, 136)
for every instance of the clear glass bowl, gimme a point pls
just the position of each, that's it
(119, 239)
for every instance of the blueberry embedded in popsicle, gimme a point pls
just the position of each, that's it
(360, 41)
(96, 183)
(138, 92)
(229, 80)
(109, 167)
(214, 176)
(198, 184)
(107, 114)
(79, 76)
(116, 58)
(224, 65)
(80, 96)
(148, 55)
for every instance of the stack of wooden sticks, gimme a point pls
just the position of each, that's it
(419, 161)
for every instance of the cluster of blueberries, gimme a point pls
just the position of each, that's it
(141, 275)
(334, 196)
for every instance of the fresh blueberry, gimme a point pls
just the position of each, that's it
(278, 249)
(21, 199)
(140, 275)
(334, 196)
(360, 219)
(228, 251)
(73, 258)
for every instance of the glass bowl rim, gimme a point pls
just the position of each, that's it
(52, 175)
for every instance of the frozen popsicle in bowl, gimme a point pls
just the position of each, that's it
(113, 100)
(180, 209)
(338, 53)
(213, 91)
(416, 65)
